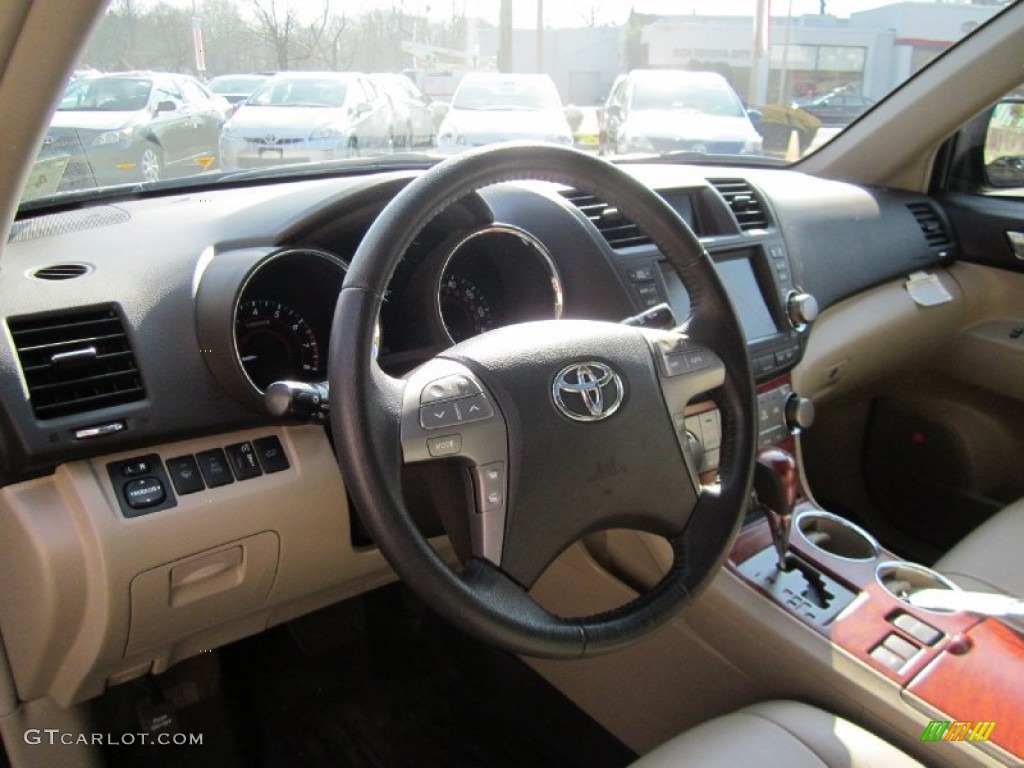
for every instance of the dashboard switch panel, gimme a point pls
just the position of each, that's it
(214, 466)
(185, 475)
(271, 454)
(243, 461)
(141, 485)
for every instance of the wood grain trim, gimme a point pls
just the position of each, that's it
(986, 683)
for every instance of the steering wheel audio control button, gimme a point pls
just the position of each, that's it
(491, 485)
(440, 415)
(475, 408)
(446, 445)
(449, 388)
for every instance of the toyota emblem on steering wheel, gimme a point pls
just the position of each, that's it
(587, 391)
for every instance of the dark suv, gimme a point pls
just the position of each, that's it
(125, 127)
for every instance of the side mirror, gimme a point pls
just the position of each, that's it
(166, 106)
(363, 108)
(755, 115)
(1004, 145)
(614, 111)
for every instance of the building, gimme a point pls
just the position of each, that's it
(869, 53)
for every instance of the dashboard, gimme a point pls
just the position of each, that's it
(135, 440)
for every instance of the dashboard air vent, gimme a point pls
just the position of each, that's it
(932, 226)
(76, 362)
(61, 271)
(744, 203)
(619, 231)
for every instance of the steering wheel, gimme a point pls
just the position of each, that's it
(567, 426)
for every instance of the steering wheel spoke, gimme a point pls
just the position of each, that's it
(448, 414)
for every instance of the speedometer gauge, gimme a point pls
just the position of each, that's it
(276, 343)
(465, 310)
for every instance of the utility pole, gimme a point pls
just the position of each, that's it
(505, 37)
(540, 36)
(755, 91)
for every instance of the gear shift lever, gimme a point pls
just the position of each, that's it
(775, 483)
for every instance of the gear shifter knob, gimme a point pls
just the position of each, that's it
(775, 483)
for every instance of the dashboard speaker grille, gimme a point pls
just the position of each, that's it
(932, 226)
(76, 362)
(744, 203)
(616, 229)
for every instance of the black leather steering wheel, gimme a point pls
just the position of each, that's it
(566, 425)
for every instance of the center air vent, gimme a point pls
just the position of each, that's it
(61, 271)
(744, 203)
(76, 362)
(619, 231)
(932, 226)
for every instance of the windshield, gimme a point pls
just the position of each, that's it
(106, 94)
(234, 85)
(284, 92)
(332, 85)
(673, 93)
(506, 93)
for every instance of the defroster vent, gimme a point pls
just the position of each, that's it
(76, 362)
(744, 203)
(619, 231)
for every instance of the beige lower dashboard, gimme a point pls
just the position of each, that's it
(94, 598)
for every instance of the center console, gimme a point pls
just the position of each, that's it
(954, 667)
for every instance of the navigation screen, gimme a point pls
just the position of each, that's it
(738, 277)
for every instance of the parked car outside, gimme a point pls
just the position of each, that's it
(676, 110)
(489, 107)
(236, 88)
(413, 117)
(133, 126)
(302, 117)
(838, 107)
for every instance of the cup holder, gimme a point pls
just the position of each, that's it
(901, 579)
(836, 536)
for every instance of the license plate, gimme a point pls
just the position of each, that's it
(271, 152)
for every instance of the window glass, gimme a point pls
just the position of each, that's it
(106, 94)
(193, 92)
(805, 65)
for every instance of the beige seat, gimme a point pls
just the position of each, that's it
(989, 558)
(777, 734)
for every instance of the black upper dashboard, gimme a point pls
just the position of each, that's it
(188, 305)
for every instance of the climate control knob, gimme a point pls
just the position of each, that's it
(802, 309)
(799, 413)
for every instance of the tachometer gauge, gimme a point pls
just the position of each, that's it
(465, 310)
(275, 343)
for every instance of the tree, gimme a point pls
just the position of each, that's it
(167, 31)
(277, 28)
(332, 42)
